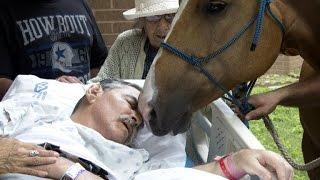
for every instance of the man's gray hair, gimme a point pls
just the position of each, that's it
(107, 85)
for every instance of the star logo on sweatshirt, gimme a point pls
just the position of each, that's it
(60, 53)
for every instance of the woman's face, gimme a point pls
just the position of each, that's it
(157, 28)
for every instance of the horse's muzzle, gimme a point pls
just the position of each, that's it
(161, 126)
(162, 116)
(150, 116)
(156, 130)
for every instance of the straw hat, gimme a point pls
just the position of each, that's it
(151, 8)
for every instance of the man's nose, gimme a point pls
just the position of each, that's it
(137, 118)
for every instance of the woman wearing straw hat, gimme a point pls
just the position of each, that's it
(133, 51)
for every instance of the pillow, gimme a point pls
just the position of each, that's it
(165, 152)
(29, 88)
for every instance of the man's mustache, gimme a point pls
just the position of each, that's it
(127, 119)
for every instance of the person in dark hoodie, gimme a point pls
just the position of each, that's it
(52, 39)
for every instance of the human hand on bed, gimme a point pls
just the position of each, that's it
(58, 170)
(68, 79)
(19, 157)
(263, 164)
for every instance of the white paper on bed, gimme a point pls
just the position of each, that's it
(29, 88)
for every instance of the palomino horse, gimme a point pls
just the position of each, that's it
(174, 88)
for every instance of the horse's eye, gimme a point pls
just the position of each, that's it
(216, 6)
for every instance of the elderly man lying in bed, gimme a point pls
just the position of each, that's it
(91, 142)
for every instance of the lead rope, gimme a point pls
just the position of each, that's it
(301, 167)
(273, 132)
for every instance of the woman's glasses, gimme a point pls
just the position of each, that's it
(167, 17)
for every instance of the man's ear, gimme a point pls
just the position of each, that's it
(94, 91)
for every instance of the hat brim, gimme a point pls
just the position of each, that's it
(134, 14)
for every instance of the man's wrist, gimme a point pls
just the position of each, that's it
(282, 95)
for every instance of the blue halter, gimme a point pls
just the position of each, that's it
(197, 62)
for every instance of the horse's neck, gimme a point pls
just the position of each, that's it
(302, 28)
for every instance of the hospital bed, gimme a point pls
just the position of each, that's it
(218, 132)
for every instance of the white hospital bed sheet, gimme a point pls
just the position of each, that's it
(165, 152)
(177, 174)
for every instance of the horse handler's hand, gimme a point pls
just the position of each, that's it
(19, 157)
(264, 104)
(263, 164)
(68, 79)
(237, 111)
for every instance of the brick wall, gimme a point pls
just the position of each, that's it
(286, 65)
(109, 17)
(108, 14)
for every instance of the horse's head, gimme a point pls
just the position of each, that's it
(174, 89)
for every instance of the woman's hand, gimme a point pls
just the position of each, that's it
(68, 79)
(19, 157)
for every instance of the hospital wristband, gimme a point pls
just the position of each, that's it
(228, 167)
(233, 169)
(73, 172)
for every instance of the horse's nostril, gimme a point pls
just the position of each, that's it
(153, 114)
(155, 125)
(153, 118)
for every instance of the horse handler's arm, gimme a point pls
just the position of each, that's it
(303, 93)
(300, 94)
(254, 162)
(4, 86)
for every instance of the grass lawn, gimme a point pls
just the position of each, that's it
(286, 121)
